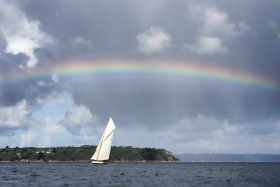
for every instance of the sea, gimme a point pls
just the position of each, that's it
(139, 174)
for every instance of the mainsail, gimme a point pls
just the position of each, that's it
(103, 149)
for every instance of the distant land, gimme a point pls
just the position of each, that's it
(84, 153)
(207, 157)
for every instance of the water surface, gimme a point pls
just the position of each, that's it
(139, 174)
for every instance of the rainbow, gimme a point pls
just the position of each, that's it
(133, 70)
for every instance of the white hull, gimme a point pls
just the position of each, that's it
(98, 162)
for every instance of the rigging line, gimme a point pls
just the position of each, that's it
(109, 135)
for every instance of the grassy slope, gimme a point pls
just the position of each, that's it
(85, 152)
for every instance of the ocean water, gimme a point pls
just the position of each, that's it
(139, 174)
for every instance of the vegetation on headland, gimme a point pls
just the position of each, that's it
(84, 153)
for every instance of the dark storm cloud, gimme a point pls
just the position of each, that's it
(6, 132)
(8, 62)
(44, 56)
(3, 42)
(157, 105)
(107, 26)
(110, 29)
(12, 65)
(10, 96)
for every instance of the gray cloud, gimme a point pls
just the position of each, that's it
(22, 35)
(153, 40)
(77, 120)
(15, 117)
(208, 46)
(215, 28)
(233, 35)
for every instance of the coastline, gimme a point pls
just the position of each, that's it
(83, 154)
(143, 161)
(20, 161)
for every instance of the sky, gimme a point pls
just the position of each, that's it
(188, 76)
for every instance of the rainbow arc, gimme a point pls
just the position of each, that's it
(115, 70)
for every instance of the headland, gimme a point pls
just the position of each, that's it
(83, 154)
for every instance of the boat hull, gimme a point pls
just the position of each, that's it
(98, 162)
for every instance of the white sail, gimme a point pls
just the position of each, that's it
(104, 147)
(109, 129)
(94, 156)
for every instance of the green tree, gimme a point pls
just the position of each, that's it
(11, 158)
(46, 158)
(40, 156)
(54, 150)
(26, 155)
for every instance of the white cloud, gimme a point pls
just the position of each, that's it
(61, 102)
(243, 26)
(278, 36)
(209, 135)
(76, 127)
(80, 43)
(46, 125)
(82, 125)
(186, 135)
(207, 125)
(27, 139)
(154, 40)
(85, 139)
(55, 78)
(208, 46)
(215, 22)
(22, 35)
(78, 119)
(204, 134)
(214, 30)
(273, 25)
(47, 134)
(41, 83)
(15, 117)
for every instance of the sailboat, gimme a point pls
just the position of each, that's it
(103, 149)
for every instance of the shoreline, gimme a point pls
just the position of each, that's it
(144, 161)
